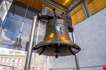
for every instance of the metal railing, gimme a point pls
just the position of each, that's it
(99, 67)
(6, 67)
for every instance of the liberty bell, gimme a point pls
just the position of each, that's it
(57, 41)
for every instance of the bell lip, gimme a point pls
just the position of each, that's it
(41, 45)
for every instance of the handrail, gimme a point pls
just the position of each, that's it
(73, 68)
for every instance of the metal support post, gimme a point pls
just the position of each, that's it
(29, 53)
(73, 39)
(77, 62)
(76, 59)
(85, 8)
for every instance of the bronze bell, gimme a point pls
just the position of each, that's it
(57, 41)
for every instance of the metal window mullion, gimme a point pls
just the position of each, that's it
(85, 8)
